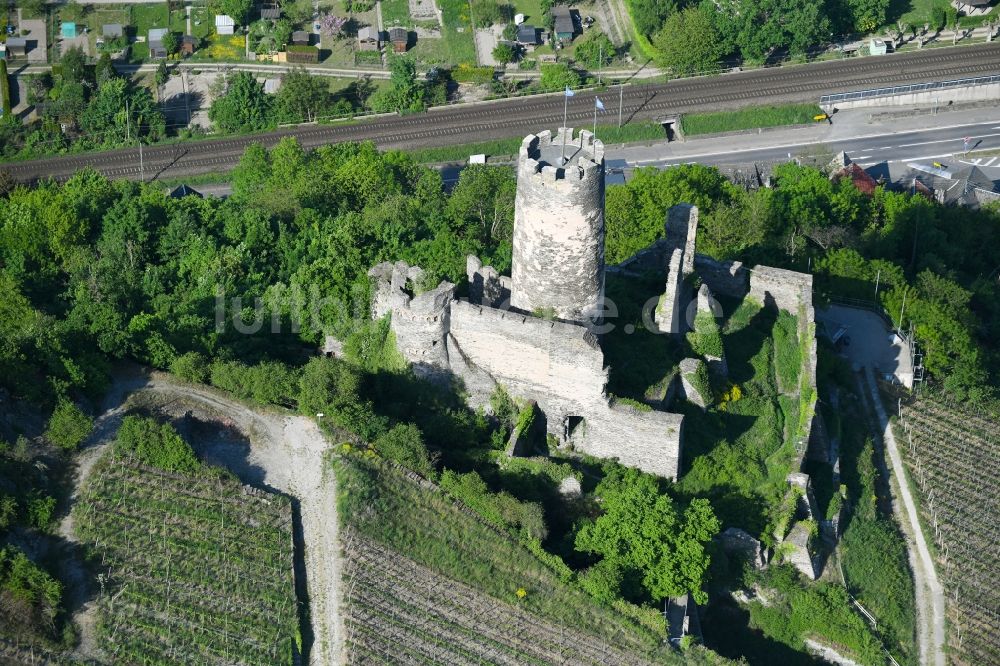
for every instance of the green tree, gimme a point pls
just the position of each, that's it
(594, 50)
(104, 71)
(503, 54)
(243, 107)
(403, 93)
(68, 426)
(641, 530)
(74, 65)
(484, 198)
(238, 9)
(557, 76)
(156, 444)
(649, 15)
(171, 42)
(301, 96)
(162, 73)
(688, 43)
(868, 15)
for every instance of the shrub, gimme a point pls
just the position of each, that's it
(469, 74)
(68, 426)
(191, 367)
(40, 509)
(706, 339)
(404, 444)
(156, 444)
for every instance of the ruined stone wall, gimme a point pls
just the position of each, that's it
(681, 231)
(420, 323)
(558, 260)
(728, 278)
(561, 367)
(780, 288)
(792, 291)
(669, 315)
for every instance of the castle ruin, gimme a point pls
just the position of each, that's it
(534, 333)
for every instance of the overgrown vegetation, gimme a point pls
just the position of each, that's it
(752, 117)
(383, 506)
(796, 610)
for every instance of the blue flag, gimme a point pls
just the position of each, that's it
(599, 103)
(569, 93)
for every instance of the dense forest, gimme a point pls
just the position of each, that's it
(95, 271)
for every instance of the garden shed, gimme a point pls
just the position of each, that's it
(224, 24)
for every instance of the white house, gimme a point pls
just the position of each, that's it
(224, 24)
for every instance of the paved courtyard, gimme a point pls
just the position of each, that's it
(872, 343)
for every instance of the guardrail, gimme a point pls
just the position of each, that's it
(908, 89)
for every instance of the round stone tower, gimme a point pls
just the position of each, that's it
(558, 263)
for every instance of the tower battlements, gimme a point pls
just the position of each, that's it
(542, 154)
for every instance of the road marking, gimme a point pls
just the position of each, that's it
(992, 160)
(924, 143)
(864, 157)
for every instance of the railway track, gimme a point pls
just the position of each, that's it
(515, 117)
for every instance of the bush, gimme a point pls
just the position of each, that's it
(557, 76)
(706, 339)
(68, 426)
(404, 444)
(331, 387)
(156, 444)
(267, 383)
(191, 367)
(470, 74)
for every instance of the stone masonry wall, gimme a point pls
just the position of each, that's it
(792, 291)
(728, 278)
(558, 258)
(560, 366)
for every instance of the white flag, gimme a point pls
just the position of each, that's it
(569, 93)
(599, 103)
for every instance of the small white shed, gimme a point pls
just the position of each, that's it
(224, 24)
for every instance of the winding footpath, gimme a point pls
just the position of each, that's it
(931, 625)
(289, 452)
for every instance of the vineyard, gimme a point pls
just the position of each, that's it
(403, 613)
(425, 582)
(193, 569)
(953, 460)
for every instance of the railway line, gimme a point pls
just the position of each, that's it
(461, 124)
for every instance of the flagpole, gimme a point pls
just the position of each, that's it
(595, 118)
(565, 110)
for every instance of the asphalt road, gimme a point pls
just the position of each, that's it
(869, 148)
(505, 118)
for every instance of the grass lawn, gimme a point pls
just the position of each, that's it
(457, 32)
(431, 51)
(748, 118)
(222, 47)
(532, 10)
(396, 12)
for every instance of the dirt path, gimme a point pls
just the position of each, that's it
(930, 596)
(285, 453)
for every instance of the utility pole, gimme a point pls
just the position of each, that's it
(621, 99)
(128, 123)
(878, 277)
(600, 61)
(142, 168)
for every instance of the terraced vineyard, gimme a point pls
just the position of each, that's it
(953, 458)
(198, 570)
(427, 583)
(404, 613)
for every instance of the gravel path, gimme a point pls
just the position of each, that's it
(931, 624)
(285, 454)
